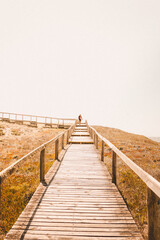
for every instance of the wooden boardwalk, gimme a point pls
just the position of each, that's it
(81, 202)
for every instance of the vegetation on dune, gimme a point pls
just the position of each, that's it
(16, 132)
(146, 154)
(1, 130)
(17, 189)
(18, 140)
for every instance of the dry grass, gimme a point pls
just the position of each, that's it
(1, 130)
(16, 132)
(146, 154)
(17, 141)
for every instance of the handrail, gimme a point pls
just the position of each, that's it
(153, 186)
(34, 120)
(9, 170)
(151, 182)
(28, 115)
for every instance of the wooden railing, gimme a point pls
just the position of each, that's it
(12, 168)
(153, 186)
(34, 120)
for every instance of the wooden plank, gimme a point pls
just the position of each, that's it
(98, 220)
(80, 134)
(77, 224)
(73, 227)
(76, 233)
(88, 219)
(60, 237)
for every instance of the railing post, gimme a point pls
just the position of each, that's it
(67, 136)
(102, 152)
(91, 133)
(0, 191)
(96, 141)
(94, 137)
(114, 166)
(153, 204)
(63, 141)
(42, 165)
(69, 133)
(56, 148)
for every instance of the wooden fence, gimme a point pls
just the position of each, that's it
(41, 149)
(153, 186)
(33, 120)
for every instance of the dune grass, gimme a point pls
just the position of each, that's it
(17, 189)
(146, 154)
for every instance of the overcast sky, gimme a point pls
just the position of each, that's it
(100, 58)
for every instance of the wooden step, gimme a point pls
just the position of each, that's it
(82, 134)
(81, 125)
(80, 140)
(81, 129)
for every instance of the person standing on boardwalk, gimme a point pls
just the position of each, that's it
(80, 118)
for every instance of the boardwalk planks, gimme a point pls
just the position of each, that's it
(81, 202)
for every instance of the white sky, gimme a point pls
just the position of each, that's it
(100, 58)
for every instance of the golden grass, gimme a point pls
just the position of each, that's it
(17, 189)
(16, 132)
(146, 154)
(1, 132)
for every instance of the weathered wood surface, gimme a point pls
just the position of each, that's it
(78, 134)
(80, 139)
(81, 129)
(81, 202)
(153, 205)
